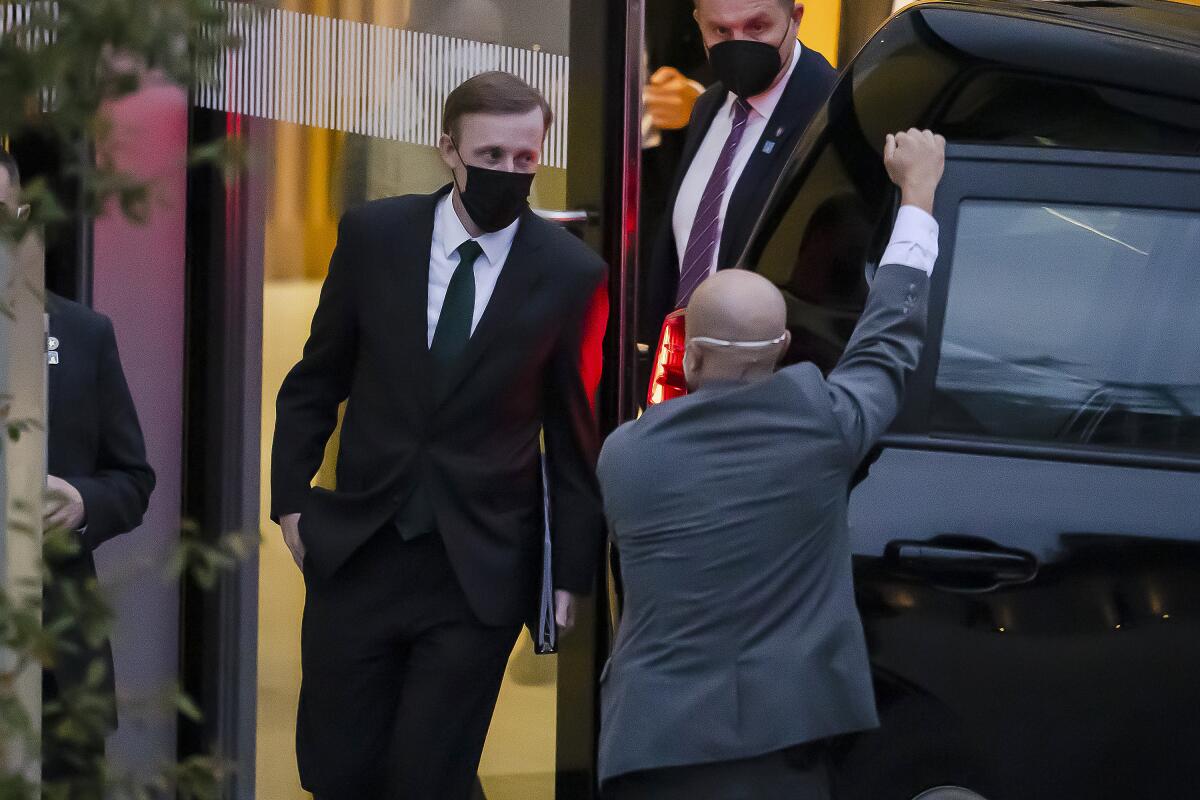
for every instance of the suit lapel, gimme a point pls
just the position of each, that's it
(412, 238)
(799, 102)
(518, 278)
(54, 374)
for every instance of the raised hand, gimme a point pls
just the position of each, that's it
(915, 160)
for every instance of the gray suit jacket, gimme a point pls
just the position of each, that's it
(740, 634)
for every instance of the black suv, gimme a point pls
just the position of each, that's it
(1027, 540)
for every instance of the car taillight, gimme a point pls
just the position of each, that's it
(666, 379)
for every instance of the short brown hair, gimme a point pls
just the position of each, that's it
(493, 93)
(788, 5)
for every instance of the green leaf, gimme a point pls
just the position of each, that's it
(188, 708)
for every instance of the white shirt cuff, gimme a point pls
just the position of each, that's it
(914, 240)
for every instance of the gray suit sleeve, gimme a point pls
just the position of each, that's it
(867, 386)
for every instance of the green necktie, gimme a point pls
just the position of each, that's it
(454, 325)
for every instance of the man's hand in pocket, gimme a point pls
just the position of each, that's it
(290, 524)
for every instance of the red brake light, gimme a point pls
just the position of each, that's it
(666, 379)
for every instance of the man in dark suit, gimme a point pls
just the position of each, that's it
(453, 325)
(742, 129)
(740, 649)
(98, 487)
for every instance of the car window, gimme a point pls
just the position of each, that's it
(1036, 110)
(1072, 324)
(816, 254)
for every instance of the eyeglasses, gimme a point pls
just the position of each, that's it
(727, 343)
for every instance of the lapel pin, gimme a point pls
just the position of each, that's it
(51, 350)
(52, 357)
(779, 131)
(768, 146)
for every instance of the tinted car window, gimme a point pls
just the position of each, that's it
(1037, 110)
(1073, 324)
(816, 256)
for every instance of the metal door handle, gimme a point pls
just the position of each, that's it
(933, 559)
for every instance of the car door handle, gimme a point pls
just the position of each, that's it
(946, 560)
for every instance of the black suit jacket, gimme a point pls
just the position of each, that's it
(472, 451)
(94, 442)
(809, 86)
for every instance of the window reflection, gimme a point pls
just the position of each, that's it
(1073, 325)
(821, 240)
(1040, 111)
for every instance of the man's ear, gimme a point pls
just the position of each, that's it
(797, 16)
(692, 364)
(447, 151)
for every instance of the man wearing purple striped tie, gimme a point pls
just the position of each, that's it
(769, 87)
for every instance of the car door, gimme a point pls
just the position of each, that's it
(1027, 542)
(1027, 538)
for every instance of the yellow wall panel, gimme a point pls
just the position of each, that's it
(821, 25)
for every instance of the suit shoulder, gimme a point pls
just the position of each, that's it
(76, 315)
(614, 447)
(803, 373)
(570, 251)
(386, 210)
(805, 379)
(815, 65)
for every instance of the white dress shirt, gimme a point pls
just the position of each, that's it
(692, 189)
(914, 241)
(448, 235)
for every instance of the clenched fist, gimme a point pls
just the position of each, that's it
(915, 161)
(669, 98)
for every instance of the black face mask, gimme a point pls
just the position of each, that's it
(746, 67)
(494, 198)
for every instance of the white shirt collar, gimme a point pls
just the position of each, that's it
(449, 231)
(764, 104)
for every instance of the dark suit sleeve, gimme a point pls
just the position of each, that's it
(306, 409)
(867, 385)
(116, 494)
(572, 445)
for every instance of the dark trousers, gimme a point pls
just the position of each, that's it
(72, 762)
(400, 678)
(797, 773)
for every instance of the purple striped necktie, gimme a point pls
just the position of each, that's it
(702, 241)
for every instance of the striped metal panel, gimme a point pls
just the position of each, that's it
(14, 15)
(371, 80)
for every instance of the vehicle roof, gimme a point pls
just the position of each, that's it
(1163, 20)
(1158, 40)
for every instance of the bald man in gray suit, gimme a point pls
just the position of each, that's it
(740, 649)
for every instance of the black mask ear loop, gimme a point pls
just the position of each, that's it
(786, 36)
(461, 160)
